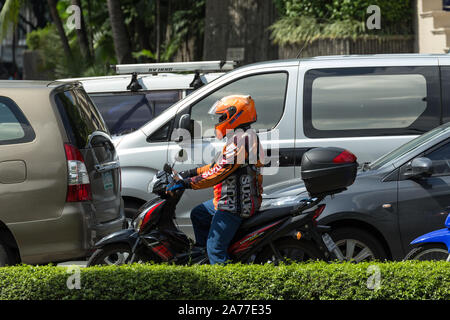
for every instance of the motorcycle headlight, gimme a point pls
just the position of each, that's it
(289, 201)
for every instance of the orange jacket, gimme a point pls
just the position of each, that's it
(235, 175)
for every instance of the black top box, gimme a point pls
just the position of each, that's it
(326, 171)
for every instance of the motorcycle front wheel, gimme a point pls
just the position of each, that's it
(113, 254)
(429, 252)
(290, 251)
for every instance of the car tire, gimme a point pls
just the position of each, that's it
(360, 244)
(4, 257)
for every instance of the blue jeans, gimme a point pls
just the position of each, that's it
(215, 230)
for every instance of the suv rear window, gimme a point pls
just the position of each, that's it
(124, 113)
(80, 116)
(14, 127)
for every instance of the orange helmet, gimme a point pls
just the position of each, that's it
(232, 112)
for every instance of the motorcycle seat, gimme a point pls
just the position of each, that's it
(265, 216)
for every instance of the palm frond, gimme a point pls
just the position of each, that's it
(9, 16)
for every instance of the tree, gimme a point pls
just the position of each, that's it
(82, 34)
(119, 32)
(59, 26)
(9, 18)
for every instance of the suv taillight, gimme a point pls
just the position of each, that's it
(79, 186)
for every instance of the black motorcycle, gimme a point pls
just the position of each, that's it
(284, 232)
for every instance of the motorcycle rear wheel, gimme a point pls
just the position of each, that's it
(291, 251)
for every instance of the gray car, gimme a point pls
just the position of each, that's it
(394, 199)
(59, 173)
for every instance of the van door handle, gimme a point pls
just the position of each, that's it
(107, 166)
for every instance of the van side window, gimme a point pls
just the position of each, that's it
(268, 90)
(162, 134)
(14, 127)
(349, 102)
(445, 78)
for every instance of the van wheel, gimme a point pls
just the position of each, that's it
(357, 245)
(4, 257)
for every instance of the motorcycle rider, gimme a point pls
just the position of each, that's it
(235, 176)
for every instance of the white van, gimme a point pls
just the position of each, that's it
(368, 104)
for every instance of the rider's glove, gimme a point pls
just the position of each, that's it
(179, 185)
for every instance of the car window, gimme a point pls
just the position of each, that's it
(445, 80)
(409, 146)
(267, 90)
(371, 101)
(79, 115)
(14, 128)
(124, 113)
(441, 160)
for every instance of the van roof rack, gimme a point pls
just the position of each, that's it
(173, 67)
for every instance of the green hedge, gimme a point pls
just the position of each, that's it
(320, 280)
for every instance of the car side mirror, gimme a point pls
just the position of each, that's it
(185, 123)
(420, 167)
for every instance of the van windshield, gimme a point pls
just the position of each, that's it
(79, 115)
(409, 146)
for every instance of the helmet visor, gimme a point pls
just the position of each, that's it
(216, 117)
(212, 111)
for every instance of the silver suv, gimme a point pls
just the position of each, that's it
(59, 173)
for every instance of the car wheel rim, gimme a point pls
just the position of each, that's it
(354, 250)
(435, 254)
